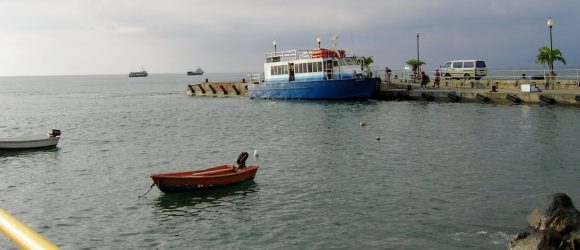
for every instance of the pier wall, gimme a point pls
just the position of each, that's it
(501, 96)
(218, 89)
(551, 84)
(564, 92)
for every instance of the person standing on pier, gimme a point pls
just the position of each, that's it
(388, 75)
(424, 80)
(437, 78)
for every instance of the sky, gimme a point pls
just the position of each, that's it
(78, 37)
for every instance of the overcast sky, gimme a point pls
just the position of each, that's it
(70, 37)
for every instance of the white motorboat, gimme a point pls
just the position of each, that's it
(31, 141)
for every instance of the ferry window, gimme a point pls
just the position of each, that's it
(319, 66)
(298, 68)
(272, 70)
(310, 68)
(468, 64)
(285, 69)
(457, 64)
(302, 68)
(315, 67)
(335, 63)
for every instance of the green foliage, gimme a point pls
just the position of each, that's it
(415, 64)
(547, 57)
(368, 60)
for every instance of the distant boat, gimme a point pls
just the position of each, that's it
(139, 74)
(31, 141)
(196, 72)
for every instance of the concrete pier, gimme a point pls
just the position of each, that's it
(565, 92)
(551, 92)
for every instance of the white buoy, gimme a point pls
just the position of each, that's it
(362, 124)
(256, 153)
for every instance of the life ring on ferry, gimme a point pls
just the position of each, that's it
(323, 53)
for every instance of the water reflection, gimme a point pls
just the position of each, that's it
(181, 204)
(27, 152)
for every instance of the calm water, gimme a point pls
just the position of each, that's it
(442, 176)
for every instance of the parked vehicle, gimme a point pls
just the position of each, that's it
(465, 69)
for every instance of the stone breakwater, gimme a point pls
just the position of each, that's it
(554, 224)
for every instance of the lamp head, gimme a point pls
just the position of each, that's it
(550, 22)
(274, 43)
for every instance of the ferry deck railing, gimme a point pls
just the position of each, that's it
(288, 55)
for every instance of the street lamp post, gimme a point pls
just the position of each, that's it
(274, 43)
(318, 41)
(418, 64)
(550, 24)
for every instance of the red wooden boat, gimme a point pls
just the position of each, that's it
(213, 177)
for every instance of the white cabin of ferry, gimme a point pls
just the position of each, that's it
(315, 65)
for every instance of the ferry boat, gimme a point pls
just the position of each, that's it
(139, 74)
(197, 72)
(316, 74)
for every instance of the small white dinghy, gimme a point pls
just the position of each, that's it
(31, 141)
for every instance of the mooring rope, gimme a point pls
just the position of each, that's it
(141, 196)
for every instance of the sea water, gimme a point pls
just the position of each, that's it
(419, 175)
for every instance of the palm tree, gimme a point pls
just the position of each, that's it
(368, 60)
(546, 57)
(415, 64)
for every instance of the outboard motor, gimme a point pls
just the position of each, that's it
(54, 133)
(242, 159)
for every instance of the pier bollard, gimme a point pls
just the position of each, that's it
(427, 97)
(482, 98)
(493, 88)
(513, 98)
(547, 99)
(243, 80)
(206, 80)
(453, 97)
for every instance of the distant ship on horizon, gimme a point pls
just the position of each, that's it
(196, 72)
(141, 73)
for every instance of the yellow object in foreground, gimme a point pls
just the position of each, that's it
(22, 235)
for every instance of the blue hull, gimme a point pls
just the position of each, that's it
(327, 89)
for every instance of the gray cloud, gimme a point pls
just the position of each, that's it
(105, 36)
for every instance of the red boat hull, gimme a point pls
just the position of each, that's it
(214, 177)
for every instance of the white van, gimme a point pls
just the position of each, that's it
(465, 69)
